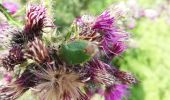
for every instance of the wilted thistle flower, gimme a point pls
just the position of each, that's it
(15, 56)
(36, 20)
(108, 75)
(125, 77)
(58, 82)
(10, 36)
(36, 50)
(100, 74)
(15, 89)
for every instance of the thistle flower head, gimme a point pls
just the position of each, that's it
(10, 36)
(104, 22)
(14, 57)
(11, 92)
(108, 75)
(116, 92)
(100, 74)
(125, 77)
(104, 30)
(57, 82)
(36, 20)
(84, 26)
(114, 43)
(37, 51)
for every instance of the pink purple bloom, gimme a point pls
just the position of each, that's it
(114, 43)
(8, 77)
(116, 92)
(103, 30)
(11, 6)
(104, 22)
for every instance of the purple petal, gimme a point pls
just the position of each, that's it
(11, 6)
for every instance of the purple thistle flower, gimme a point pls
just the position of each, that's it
(36, 20)
(104, 22)
(12, 7)
(114, 43)
(116, 92)
(103, 30)
(113, 39)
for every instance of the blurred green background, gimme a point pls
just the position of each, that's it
(150, 61)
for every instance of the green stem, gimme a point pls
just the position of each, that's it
(8, 16)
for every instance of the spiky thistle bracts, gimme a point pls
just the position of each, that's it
(49, 75)
(36, 20)
(104, 30)
(15, 56)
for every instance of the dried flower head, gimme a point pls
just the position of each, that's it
(15, 57)
(125, 77)
(57, 82)
(100, 74)
(36, 50)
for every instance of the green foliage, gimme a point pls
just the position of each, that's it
(150, 61)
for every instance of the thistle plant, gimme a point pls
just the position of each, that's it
(75, 68)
